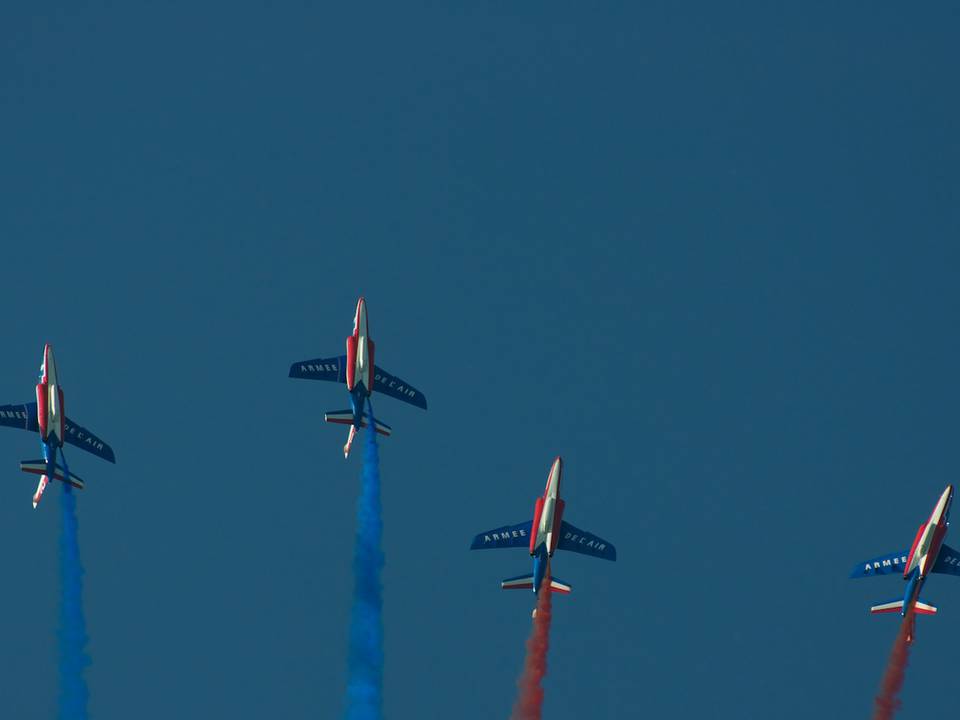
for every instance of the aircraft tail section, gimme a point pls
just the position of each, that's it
(525, 582)
(893, 606)
(345, 417)
(382, 427)
(896, 606)
(39, 467)
(341, 417)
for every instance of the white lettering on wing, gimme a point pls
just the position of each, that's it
(505, 535)
(319, 368)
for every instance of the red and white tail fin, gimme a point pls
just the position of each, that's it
(350, 437)
(39, 493)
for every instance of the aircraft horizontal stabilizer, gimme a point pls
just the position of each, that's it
(341, 417)
(894, 606)
(39, 467)
(525, 582)
(345, 417)
(382, 428)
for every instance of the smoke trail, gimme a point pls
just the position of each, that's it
(529, 704)
(887, 703)
(73, 631)
(365, 671)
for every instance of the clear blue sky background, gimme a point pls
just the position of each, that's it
(709, 253)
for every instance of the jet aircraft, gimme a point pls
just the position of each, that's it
(927, 554)
(47, 417)
(362, 377)
(542, 536)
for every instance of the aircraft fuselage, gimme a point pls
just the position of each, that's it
(926, 548)
(545, 528)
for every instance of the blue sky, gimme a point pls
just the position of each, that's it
(709, 255)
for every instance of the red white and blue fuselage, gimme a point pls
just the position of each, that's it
(545, 528)
(359, 371)
(50, 418)
(923, 554)
(49, 401)
(360, 350)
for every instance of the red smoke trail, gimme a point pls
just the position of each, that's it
(887, 702)
(529, 704)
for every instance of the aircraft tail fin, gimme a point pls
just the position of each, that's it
(525, 582)
(41, 486)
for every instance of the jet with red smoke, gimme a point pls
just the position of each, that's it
(46, 416)
(542, 536)
(361, 376)
(928, 554)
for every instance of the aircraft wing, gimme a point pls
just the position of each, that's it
(25, 417)
(20, 416)
(332, 369)
(393, 386)
(580, 541)
(883, 565)
(508, 536)
(948, 561)
(83, 438)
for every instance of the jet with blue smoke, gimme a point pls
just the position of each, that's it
(365, 671)
(46, 416)
(73, 629)
(362, 377)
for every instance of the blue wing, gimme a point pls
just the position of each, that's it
(883, 565)
(25, 418)
(20, 416)
(948, 561)
(508, 536)
(332, 369)
(579, 541)
(86, 440)
(393, 386)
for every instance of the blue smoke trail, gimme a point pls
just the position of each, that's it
(73, 631)
(365, 671)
